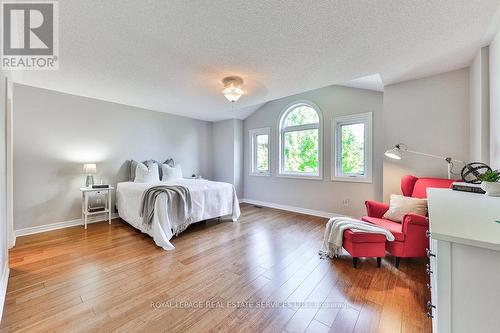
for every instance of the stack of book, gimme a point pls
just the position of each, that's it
(467, 187)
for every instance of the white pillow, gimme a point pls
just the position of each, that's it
(147, 173)
(171, 173)
(401, 205)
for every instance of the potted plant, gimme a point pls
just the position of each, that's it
(490, 184)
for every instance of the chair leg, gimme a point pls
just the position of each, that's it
(397, 262)
(379, 261)
(355, 262)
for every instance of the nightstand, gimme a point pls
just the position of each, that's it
(86, 191)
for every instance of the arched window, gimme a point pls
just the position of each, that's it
(300, 141)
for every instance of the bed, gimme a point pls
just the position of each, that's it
(209, 200)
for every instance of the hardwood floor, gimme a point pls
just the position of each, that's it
(113, 278)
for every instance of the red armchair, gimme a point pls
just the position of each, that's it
(411, 239)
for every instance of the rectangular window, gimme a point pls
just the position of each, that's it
(259, 152)
(301, 152)
(352, 148)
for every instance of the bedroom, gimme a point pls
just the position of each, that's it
(221, 139)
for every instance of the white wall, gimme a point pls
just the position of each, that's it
(479, 94)
(4, 227)
(429, 115)
(54, 133)
(228, 153)
(4, 268)
(495, 102)
(321, 195)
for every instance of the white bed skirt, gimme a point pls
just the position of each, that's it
(210, 200)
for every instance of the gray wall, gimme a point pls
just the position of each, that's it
(228, 153)
(484, 82)
(238, 157)
(223, 144)
(479, 95)
(429, 115)
(322, 195)
(495, 102)
(54, 133)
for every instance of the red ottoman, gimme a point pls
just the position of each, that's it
(361, 244)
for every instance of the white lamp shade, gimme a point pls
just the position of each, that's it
(393, 153)
(89, 168)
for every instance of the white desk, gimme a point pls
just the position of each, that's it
(85, 202)
(464, 261)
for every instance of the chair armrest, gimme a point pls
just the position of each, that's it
(376, 209)
(414, 219)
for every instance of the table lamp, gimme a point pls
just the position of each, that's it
(89, 169)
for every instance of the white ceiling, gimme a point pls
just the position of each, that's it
(370, 82)
(171, 55)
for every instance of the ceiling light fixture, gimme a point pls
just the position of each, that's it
(232, 88)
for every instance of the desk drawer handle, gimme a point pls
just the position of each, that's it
(429, 286)
(428, 269)
(430, 305)
(429, 314)
(429, 253)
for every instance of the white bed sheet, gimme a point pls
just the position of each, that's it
(209, 200)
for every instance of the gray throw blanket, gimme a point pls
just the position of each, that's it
(178, 206)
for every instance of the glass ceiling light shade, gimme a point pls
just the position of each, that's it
(232, 93)
(232, 88)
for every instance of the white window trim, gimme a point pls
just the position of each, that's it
(253, 153)
(281, 149)
(367, 119)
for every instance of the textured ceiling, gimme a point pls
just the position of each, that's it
(171, 55)
(370, 82)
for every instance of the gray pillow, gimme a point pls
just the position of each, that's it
(131, 174)
(133, 166)
(170, 162)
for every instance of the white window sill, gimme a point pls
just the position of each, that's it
(352, 180)
(298, 176)
(259, 174)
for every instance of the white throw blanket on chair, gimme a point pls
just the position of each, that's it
(334, 233)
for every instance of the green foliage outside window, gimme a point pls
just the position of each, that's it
(301, 146)
(302, 151)
(353, 149)
(300, 116)
(263, 152)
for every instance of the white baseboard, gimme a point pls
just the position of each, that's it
(3, 287)
(59, 225)
(12, 242)
(72, 223)
(291, 208)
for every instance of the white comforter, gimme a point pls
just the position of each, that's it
(209, 200)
